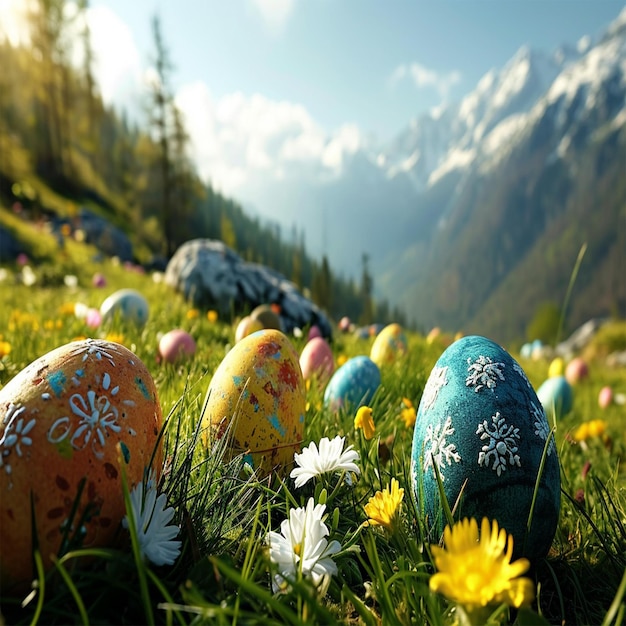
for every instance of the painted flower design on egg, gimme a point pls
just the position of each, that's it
(97, 415)
(15, 435)
(501, 451)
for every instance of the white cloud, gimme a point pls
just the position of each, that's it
(117, 62)
(424, 77)
(275, 13)
(13, 22)
(239, 138)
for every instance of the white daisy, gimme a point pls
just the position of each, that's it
(152, 520)
(330, 457)
(301, 546)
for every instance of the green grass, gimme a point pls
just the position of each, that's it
(222, 575)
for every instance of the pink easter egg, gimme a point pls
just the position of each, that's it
(93, 319)
(314, 331)
(316, 360)
(576, 371)
(176, 345)
(605, 397)
(99, 280)
(344, 324)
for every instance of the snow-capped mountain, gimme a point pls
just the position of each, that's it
(468, 198)
(533, 146)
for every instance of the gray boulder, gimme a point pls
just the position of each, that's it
(9, 246)
(103, 235)
(209, 274)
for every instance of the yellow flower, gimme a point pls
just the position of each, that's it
(408, 413)
(365, 421)
(68, 308)
(192, 314)
(5, 348)
(593, 428)
(476, 572)
(212, 316)
(115, 338)
(383, 507)
(341, 359)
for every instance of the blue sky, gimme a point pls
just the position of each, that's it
(337, 58)
(273, 90)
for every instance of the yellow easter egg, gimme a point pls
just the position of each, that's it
(557, 367)
(389, 345)
(256, 398)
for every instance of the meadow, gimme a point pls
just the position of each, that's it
(382, 571)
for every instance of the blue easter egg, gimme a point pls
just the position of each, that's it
(127, 304)
(481, 425)
(556, 396)
(353, 384)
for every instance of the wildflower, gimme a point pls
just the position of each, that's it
(192, 314)
(69, 308)
(115, 337)
(384, 506)
(408, 413)
(365, 421)
(477, 572)
(70, 281)
(5, 348)
(588, 430)
(341, 360)
(152, 522)
(212, 316)
(330, 457)
(301, 547)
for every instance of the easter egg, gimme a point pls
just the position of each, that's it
(316, 360)
(353, 384)
(481, 428)
(256, 398)
(389, 345)
(556, 396)
(576, 371)
(605, 397)
(67, 421)
(344, 324)
(176, 345)
(267, 316)
(314, 331)
(557, 367)
(127, 304)
(246, 326)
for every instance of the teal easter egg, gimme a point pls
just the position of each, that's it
(126, 304)
(556, 396)
(353, 384)
(482, 428)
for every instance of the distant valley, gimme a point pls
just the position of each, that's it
(474, 216)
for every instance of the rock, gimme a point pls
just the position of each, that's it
(9, 246)
(579, 338)
(104, 236)
(211, 275)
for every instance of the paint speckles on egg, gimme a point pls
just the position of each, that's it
(276, 425)
(142, 387)
(57, 381)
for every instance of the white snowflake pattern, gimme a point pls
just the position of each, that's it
(483, 372)
(501, 451)
(436, 381)
(518, 368)
(440, 451)
(542, 428)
